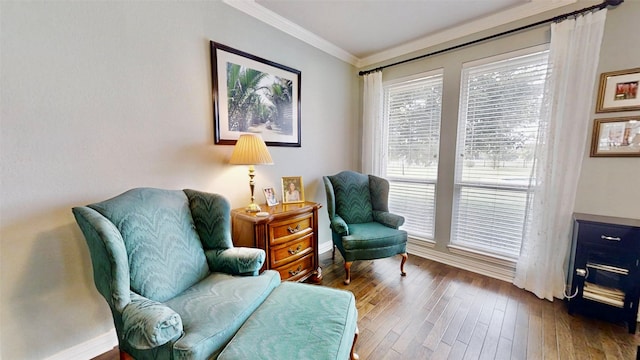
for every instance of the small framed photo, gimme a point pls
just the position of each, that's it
(270, 196)
(292, 189)
(616, 137)
(619, 91)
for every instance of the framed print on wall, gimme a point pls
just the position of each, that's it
(292, 190)
(616, 137)
(618, 91)
(251, 94)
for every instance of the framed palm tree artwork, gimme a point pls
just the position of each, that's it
(252, 94)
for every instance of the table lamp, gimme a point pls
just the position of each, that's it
(251, 150)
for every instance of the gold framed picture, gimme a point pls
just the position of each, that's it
(292, 189)
(618, 91)
(616, 137)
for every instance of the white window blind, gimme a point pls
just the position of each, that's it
(412, 110)
(497, 132)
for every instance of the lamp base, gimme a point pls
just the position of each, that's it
(253, 207)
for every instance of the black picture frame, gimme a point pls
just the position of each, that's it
(265, 98)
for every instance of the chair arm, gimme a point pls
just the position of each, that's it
(148, 324)
(339, 225)
(236, 261)
(388, 219)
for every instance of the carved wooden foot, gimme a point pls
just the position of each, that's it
(347, 269)
(355, 356)
(316, 278)
(404, 260)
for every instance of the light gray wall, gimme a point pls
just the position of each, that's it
(608, 186)
(101, 97)
(611, 186)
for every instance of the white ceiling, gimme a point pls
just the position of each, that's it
(363, 32)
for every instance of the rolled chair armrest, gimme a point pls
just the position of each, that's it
(339, 225)
(236, 261)
(148, 324)
(388, 219)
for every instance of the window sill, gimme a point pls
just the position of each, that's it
(480, 255)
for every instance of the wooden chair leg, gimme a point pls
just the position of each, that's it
(404, 260)
(347, 269)
(355, 356)
(333, 253)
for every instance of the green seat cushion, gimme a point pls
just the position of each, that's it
(372, 235)
(298, 321)
(215, 308)
(163, 248)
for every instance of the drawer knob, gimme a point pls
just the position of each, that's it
(610, 238)
(293, 230)
(296, 271)
(296, 250)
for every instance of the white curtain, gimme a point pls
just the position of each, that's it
(372, 123)
(566, 120)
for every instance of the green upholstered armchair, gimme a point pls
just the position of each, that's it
(361, 225)
(165, 263)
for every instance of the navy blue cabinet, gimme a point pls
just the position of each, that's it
(604, 268)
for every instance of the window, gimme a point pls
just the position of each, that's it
(412, 116)
(499, 117)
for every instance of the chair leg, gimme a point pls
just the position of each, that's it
(125, 356)
(355, 356)
(404, 260)
(333, 254)
(347, 269)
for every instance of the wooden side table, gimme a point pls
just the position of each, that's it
(288, 235)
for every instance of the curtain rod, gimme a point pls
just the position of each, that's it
(601, 6)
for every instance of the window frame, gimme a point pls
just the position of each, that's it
(383, 159)
(459, 184)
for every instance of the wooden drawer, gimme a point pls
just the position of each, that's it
(609, 235)
(288, 235)
(291, 251)
(290, 229)
(297, 269)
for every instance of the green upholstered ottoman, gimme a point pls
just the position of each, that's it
(298, 321)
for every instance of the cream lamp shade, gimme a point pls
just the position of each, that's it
(251, 150)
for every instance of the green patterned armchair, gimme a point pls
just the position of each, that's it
(165, 263)
(362, 227)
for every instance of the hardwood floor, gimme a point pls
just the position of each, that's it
(441, 312)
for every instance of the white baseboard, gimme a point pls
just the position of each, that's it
(324, 247)
(89, 349)
(496, 271)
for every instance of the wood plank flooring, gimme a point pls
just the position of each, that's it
(441, 312)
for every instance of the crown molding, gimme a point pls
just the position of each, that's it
(532, 8)
(250, 7)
